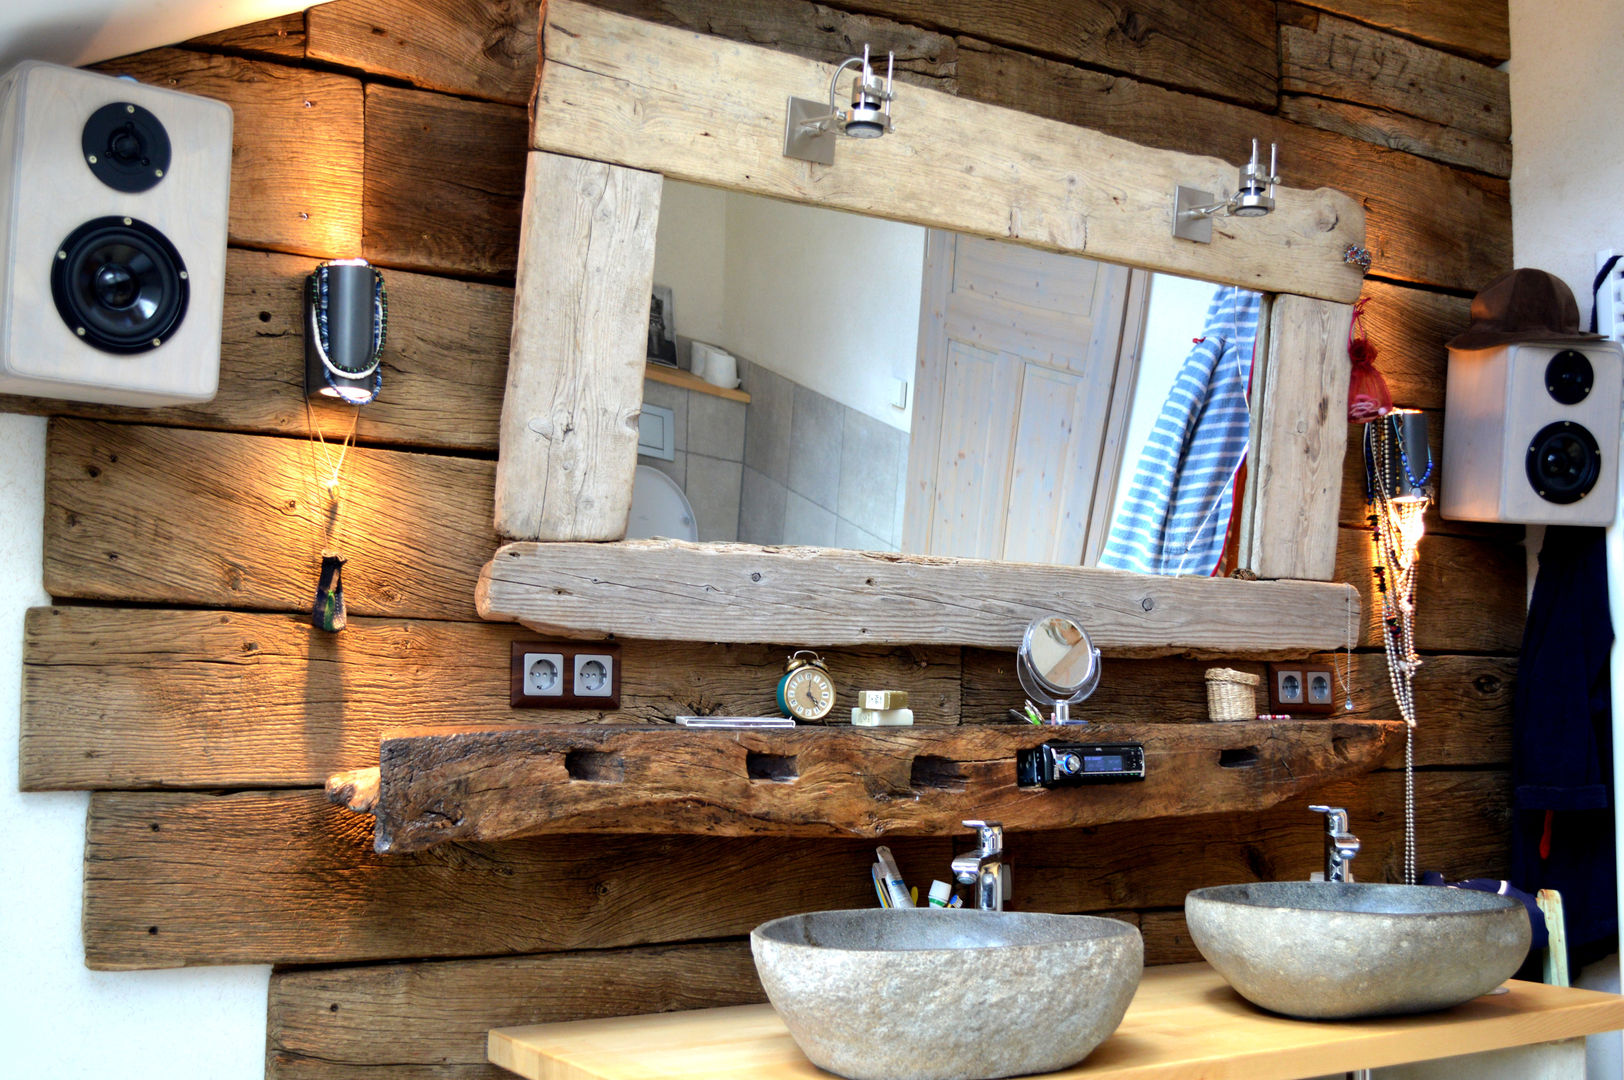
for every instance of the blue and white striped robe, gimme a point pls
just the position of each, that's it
(1177, 510)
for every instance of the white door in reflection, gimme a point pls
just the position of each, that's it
(1025, 382)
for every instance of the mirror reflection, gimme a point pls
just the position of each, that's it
(843, 381)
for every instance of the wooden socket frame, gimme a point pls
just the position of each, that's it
(1306, 697)
(568, 652)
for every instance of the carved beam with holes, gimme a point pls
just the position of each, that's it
(469, 784)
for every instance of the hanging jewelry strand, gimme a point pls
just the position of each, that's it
(1398, 499)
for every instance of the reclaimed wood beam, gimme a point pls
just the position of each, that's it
(458, 784)
(704, 113)
(578, 353)
(670, 589)
(1424, 222)
(180, 878)
(1296, 469)
(1344, 61)
(296, 145)
(270, 701)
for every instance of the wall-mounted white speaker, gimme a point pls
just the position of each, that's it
(113, 200)
(1531, 433)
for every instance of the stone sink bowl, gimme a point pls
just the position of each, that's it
(934, 994)
(1332, 951)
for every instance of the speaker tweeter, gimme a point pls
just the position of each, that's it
(126, 147)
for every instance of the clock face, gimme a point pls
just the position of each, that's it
(808, 693)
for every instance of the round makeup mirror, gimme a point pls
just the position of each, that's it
(1058, 664)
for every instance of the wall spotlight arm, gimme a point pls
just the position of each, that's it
(810, 127)
(1193, 209)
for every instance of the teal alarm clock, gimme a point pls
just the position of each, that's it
(805, 690)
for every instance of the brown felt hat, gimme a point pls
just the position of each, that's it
(1524, 305)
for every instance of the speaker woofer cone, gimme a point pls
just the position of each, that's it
(120, 285)
(1564, 462)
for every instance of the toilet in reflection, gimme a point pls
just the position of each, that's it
(659, 508)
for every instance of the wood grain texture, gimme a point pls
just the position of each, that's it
(1424, 222)
(282, 37)
(326, 1023)
(444, 364)
(1161, 41)
(577, 361)
(197, 517)
(1476, 28)
(964, 166)
(1470, 596)
(178, 878)
(443, 182)
(466, 47)
(1296, 473)
(1467, 698)
(1409, 328)
(440, 786)
(235, 699)
(1333, 58)
(1396, 131)
(1183, 1021)
(816, 31)
(296, 149)
(741, 592)
(489, 50)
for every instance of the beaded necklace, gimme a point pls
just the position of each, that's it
(1396, 526)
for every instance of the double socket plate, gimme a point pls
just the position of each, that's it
(565, 675)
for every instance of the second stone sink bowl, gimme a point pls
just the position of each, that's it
(923, 994)
(1332, 951)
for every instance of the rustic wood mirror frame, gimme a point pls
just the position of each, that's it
(621, 103)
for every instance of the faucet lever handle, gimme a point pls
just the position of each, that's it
(1336, 818)
(989, 834)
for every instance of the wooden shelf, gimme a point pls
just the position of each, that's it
(687, 380)
(465, 784)
(677, 591)
(1184, 1021)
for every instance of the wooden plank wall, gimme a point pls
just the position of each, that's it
(178, 679)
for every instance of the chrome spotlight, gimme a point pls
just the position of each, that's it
(1193, 210)
(810, 126)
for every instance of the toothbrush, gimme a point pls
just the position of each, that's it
(893, 879)
(877, 872)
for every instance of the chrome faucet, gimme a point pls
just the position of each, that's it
(984, 867)
(1340, 844)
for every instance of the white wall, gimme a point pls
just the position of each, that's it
(690, 256)
(1567, 179)
(826, 299)
(57, 1018)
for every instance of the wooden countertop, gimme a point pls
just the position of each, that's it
(1184, 1022)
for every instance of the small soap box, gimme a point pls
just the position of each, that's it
(882, 708)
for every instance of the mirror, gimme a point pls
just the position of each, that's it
(1057, 664)
(914, 390)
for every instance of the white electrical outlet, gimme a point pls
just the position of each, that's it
(594, 675)
(544, 674)
(1610, 298)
